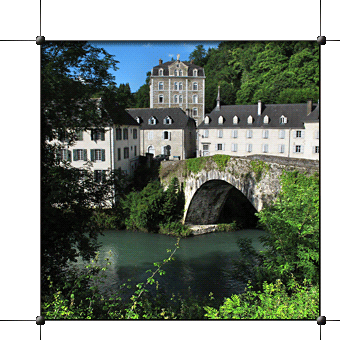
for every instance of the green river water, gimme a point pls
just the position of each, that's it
(202, 262)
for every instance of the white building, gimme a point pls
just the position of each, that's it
(288, 130)
(114, 147)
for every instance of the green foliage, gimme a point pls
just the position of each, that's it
(259, 168)
(221, 161)
(148, 209)
(195, 165)
(272, 302)
(228, 227)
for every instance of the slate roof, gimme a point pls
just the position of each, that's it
(164, 66)
(179, 119)
(296, 115)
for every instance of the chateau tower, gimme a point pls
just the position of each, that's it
(178, 84)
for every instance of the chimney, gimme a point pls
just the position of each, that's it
(259, 108)
(218, 99)
(191, 61)
(178, 57)
(160, 61)
(309, 106)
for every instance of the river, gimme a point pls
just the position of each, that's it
(202, 262)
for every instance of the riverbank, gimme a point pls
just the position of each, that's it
(211, 228)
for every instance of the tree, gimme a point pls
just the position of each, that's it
(198, 55)
(71, 74)
(142, 96)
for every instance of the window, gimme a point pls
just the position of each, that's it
(234, 147)
(125, 133)
(220, 120)
(180, 73)
(316, 149)
(249, 134)
(205, 147)
(265, 134)
(195, 112)
(220, 147)
(166, 135)
(160, 72)
(118, 134)
(265, 120)
(206, 120)
(283, 120)
(97, 134)
(235, 120)
(65, 155)
(194, 86)
(166, 150)
(176, 99)
(97, 155)
(167, 120)
(152, 121)
(118, 154)
(195, 73)
(282, 134)
(180, 99)
(79, 155)
(180, 86)
(265, 148)
(135, 149)
(176, 86)
(151, 149)
(160, 86)
(175, 73)
(249, 147)
(150, 135)
(195, 99)
(298, 134)
(205, 134)
(99, 176)
(220, 133)
(160, 99)
(298, 149)
(234, 133)
(250, 120)
(134, 134)
(281, 148)
(126, 153)
(138, 119)
(79, 135)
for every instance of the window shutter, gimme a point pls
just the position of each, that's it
(85, 154)
(92, 134)
(302, 148)
(58, 156)
(215, 147)
(92, 155)
(302, 134)
(223, 147)
(169, 135)
(75, 158)
(163, 133)
(103, 154)
(102, 135)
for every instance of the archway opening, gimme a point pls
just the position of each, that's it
(216, 202)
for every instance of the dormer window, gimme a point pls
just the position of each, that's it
(206, 120)
(220, 120)
(235, 120)
(167, 120)
(175, 73)
(250, 120)
(180, 73)
(195, 73)
(138, 119)
(160, 72)
(283, 120)
(152, 121)
(265, 119)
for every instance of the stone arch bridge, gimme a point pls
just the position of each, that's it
(221, 190)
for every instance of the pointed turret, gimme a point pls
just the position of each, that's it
(218, 99)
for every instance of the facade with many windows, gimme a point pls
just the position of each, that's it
(178, 84)
(288, 130)
(169, 132)
(111, 148)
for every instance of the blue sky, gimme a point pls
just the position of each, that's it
(136, 58)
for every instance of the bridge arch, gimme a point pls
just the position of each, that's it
(218, 201)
